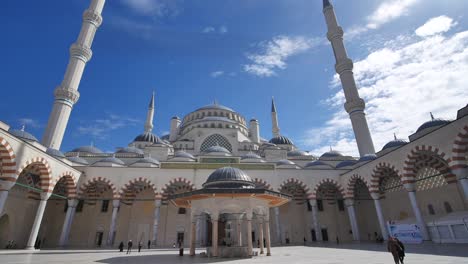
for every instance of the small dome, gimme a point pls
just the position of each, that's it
(217, 150)
(285, 162)
(367, 157)
(229, 177)
(281, 140)
(88, 149)
(147, 160)
(298, 153)
(215, 106)
(331, 154)
(131, 150)
(183, 154)
(251, 155)
(20, 133)
(318, 164)
(78, 160)
(345, 163)
(55, 153)
(112, 160)
(394, 143)
(433, 123)
(148, 137)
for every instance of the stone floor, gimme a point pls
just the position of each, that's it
(348, 253)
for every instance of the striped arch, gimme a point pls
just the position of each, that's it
(7, 165)
(130, 190)
(380, 171)
(44, 172)
(325, 182)
(89, 188)
(426, 156)
(460, 150)
(262, 184)
(176, 186)
(350, 191)
(296, 188)
(68, 180)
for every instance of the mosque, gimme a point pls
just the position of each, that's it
(214, 182)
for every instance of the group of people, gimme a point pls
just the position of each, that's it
(130, 246)
(396, 247)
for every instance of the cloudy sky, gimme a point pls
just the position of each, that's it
(411, 58)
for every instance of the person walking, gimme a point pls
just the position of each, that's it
(129, 246)
(140, 245)
(149, 244)
(401, 251)
(121, 246)
(394, 248)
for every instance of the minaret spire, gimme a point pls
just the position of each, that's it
(344, 67)
(274, 119)
(150, 115)
(66, 94)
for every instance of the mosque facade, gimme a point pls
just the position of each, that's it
(85, 198)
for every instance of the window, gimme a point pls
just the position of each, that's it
(341, 204)
(309, 207)
(105, 206)
(79, 206)
(448, 207)
(430, 208)
(320, 205)
(181, 210)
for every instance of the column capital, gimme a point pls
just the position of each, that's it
(375, 195)
(67, 94)
(92, 17)
(277, 211)
(72, 203)
(45, 196)
(461, 173)
(349, 202)
(355, 105)
(6, 185)
(157, 203)
(312, 202)
(116, 203)
(410, 187)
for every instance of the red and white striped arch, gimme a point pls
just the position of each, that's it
(89, 184)
(298, 183)
(128, 191)
(181, 185)
(460, 150)
(352, 185)
(8, 164)
(43, 169)
(380, 171)
(69, 179)
(327, 181)
(261, 183)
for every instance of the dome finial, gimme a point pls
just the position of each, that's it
(394, 136)
(23, 127)
(432, 116)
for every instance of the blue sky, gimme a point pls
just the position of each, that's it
(411, 57)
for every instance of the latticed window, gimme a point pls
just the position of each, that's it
(429, 178)
(215, 140)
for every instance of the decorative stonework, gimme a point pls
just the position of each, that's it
(8, 162)
(355, 105)
(81, 52)
(92, 17)
(68, 94)
(44, 171)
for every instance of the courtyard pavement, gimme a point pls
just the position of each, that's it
(329, 254)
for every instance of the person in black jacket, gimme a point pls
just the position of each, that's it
(129, 246)
(121, 246)
(401, 250)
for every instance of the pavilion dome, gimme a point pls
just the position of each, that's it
(87, 149)
(281, 140)
(130, 150)
(22, 134)
(148, 137)
(433, 123)
(229, 177)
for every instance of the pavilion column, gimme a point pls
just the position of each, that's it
(214, 232)
(239, 231)
(193, 236)
(115, 210)
(352, 218)
(315, 220)
(378, 209)
(418, 215)
(462, 177)
(267, 235)
(261, 236)
(72, 203)
(278, 226)
(249, 233)
(38, 220)
(157, 210)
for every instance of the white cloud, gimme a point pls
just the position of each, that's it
(435, 25)
(208, 30)
(274, 53)
(101, 128)
(401, 84)
(29, 122)
(223, 30)
(158, 8)
(216, 74)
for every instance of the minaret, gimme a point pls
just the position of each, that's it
(274, 119)
(150, 116)
(66, 94)
(344, 67)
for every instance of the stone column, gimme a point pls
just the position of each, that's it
(239, 231)
(260, 236)
(72, 203)
(3, 198)
(378, 209)
(115, 210)
(38, 220)
(418, 215)
(5, 186)
(214, 232)
(193, 236)
(157, 210)
(352, 218)
(315, 220)
(462, 177)
(249, 233)
(267, 234)
(278, 225)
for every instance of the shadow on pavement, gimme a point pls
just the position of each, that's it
(162, 259)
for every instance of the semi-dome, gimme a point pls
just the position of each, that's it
(20, 133)
(229, 177)
(55, 153)
(281, 140)
(318, 164)
(297, 153)
(250, 155)
(87, 149)
(346, 163)
(394, 143)
(284, 162)
(111, 160)
(331, 154)
(433, 123)
(148, 137)
(147, 160)
(78, 160)
(183, 155)
(367, 157)
(130, 150)
(217, 150)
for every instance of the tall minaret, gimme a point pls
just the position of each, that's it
(344, 67)
(66, 94)
(274, 119)
(150, 116)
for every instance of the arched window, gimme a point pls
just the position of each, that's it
(215, 140)
(448, 207)
(212, 125)
(430, 209)
(220, 125)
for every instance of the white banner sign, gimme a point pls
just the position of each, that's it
(406, 233)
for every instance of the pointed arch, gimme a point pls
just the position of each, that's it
(131, 189)
(352, 184)
(385, 176)
(327, 183)
(176, 186)
(41, 165)
(261, 183)
(8, 171)
(96, 186)
(296, 188)
(68, 180)
(460, 150)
